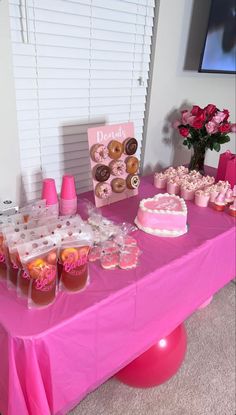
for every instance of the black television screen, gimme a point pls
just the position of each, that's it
(219, 52)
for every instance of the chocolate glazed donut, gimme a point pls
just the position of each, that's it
(130, 146)
(102, 173)
(118, 185)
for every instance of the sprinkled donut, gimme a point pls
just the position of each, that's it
(130, 146)
(117, 167)
(115, 149)
(102, 173)
(99, 153)
(118, 185)
(132, 181)
(103, 190)
(132, 165)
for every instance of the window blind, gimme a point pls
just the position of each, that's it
(76, 64)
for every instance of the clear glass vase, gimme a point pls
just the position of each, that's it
(198, 158)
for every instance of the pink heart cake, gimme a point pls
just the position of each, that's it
(163, 215)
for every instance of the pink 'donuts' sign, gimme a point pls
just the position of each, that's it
(99, 139)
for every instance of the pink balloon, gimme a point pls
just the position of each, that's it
(157, 364)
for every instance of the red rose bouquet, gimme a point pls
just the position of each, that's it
(204, 128)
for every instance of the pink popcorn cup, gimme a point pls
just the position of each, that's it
(68, 200)
(201, 198)
(49, 192)
(187, 194)
(173, 188)
(160, 181)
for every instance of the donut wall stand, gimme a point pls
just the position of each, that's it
(113, 162)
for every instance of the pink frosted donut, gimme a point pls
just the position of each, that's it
(99, 153)
(117, 167)
(103, 190)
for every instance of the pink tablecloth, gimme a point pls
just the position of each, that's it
(50, 359)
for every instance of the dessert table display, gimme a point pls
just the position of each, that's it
(51, 358)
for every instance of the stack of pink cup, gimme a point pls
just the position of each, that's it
(68, 200)
(49, 193)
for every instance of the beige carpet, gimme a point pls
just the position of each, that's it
(205, 384)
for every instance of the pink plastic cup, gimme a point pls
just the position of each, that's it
(68, 200)
(49, 192)
(68, 191)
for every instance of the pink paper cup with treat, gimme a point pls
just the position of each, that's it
(187, 194)
(173, 188)
(160, 181)
(201, 198)
(49, 192)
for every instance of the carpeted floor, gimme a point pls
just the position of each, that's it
(205, 384)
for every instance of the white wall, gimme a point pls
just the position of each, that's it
(9, 148)
(173, 87)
